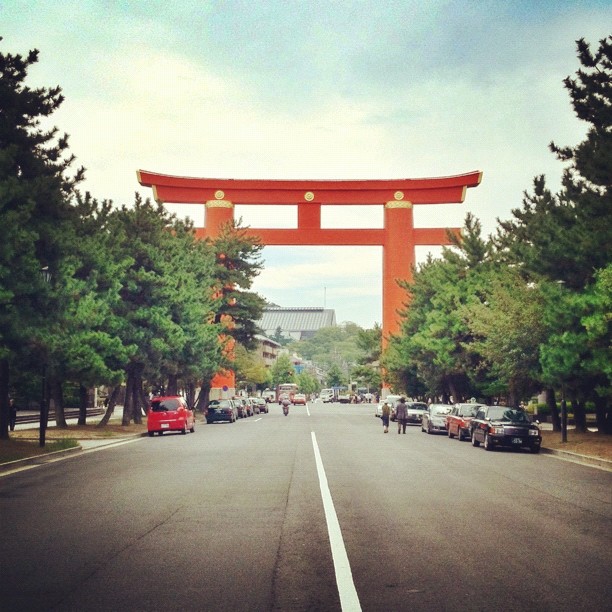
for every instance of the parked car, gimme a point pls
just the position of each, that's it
(434, 418)
(169, 413)
(503, 426)
(458, 421)
(415, 411)
(261, 405)
(257, 404)
(299, 398)
(327, 395)
(241, 405)
(391, 400)
(269, 396)
(221, 410)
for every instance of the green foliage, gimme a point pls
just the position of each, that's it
(431, 354)
(238, 262)
(282, 371)
(335, 377)
(530, 307)
(508, 330)
(331, 345)
(250, 368)
(367, 376)
(307, 383)
(34, 213)
(369, 342)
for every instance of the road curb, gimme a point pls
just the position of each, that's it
(55, 455)
(604, 464)
(39, 459)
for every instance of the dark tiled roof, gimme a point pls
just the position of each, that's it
(305, 321)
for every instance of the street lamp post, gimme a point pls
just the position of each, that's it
(44, 406)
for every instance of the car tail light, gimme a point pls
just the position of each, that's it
(496, 431)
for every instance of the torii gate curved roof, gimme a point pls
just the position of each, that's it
(181, 189)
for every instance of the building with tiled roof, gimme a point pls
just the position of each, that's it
(295, 323)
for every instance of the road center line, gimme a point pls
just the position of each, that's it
(349, 601)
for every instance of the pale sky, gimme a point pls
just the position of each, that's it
(369, 89)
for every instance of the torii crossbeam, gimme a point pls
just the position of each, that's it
(397, 238)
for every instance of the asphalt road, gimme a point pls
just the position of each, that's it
(235, 517)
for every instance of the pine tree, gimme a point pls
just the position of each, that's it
(35, 189)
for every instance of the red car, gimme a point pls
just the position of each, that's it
(458, 421)
(299, 398)
(169, 414)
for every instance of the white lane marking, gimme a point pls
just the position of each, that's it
(259, 419)
(307, 410)
(349, 601)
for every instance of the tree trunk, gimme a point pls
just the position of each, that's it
(172, 384)
(579, 408)
(128, 404)
(82, 405)
(57, 395)
(602, 415)
(551, 402)
(453, 392)
(203, 397)
(4, 399)
(110, 408)
(191, 395)
(139, 401)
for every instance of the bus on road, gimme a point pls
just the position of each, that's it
(288, 389)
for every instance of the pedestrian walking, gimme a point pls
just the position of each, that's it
(401, 415)
(386, 414)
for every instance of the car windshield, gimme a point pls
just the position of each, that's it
(502, 413)
(165, 405)
(467, 411)
(391, 400)
(217, 404)
(440, 409)
(417, 406)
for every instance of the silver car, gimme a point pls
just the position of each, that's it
(434, 419)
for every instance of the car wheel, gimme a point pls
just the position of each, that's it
(475, 442)
(192, 428)
(429, 428)
(534, 449)
(208, 422)
(184, 430)
(460, 435)
(488, 445)
(151, 434)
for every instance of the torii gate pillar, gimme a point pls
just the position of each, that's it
(398, 238)
(397, 261)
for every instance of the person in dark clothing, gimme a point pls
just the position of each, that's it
(12, 414)
(401, 415)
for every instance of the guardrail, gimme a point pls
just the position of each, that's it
(29, 416)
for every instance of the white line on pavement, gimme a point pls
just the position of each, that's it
(349, 601)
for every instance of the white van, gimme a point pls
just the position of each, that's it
(327, 395)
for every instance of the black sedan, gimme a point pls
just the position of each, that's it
(505, 427)
(221, 410)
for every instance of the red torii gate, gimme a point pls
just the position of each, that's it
(398, 237)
